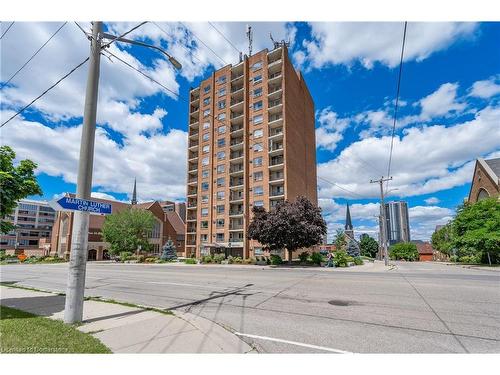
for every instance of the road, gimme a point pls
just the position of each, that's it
(412, 308)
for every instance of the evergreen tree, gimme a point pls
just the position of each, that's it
(168, 251)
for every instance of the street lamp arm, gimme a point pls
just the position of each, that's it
(172, 60)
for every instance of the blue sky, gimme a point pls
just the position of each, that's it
(449, 114)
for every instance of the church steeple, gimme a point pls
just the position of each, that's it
(348, 222)
(134, 194)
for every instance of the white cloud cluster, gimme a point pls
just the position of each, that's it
(487, 88)
(330, 130)
(441, 102)
(372, 42)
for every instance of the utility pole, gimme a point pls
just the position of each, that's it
(73, 310)
(383, 230)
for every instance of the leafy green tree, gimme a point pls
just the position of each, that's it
(442, 239)
(404, 250)
(128, 229)
(290, 225)
(476, 230)
(340, 240)
(16, 183)
(369, 247)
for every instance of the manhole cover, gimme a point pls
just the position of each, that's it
(339, 302)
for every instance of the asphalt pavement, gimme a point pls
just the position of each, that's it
(409, 308)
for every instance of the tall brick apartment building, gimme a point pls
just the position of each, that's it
(251, 143)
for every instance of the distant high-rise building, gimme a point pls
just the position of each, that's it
(251, 143)
(398, 222)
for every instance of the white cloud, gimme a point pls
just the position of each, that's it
(330, 129)
(441, 102)
(423, 220)
(158, 161)
(425, 160)
(486, 89)
(371, 42)
(432, 200)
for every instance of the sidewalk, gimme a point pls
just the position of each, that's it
(126, 329)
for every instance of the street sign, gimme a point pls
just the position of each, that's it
(76, 204)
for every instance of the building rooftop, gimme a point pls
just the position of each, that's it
(494, 164)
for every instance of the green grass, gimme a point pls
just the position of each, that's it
(23, 332)
(128, 304)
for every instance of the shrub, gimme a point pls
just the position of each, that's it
(190, 261)
(150, 260)
(454, 258)
(218, 258)
(237, 260)
(358, 261)
(404, 250)
(230, 260)
(268, 260)
(316, 258)
(340, 258)
(2, 255)
(303, 256)
(249, 261)
(160, 261)
(125, 255)
(470, 259)
(206, 259)
(276, 259)
(141, 258)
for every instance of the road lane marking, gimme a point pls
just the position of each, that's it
(294, 343)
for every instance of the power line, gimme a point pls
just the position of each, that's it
(8, 28)
(340, 187)
(45, 92)
(36, 53)
(182, 45)
(202, 42)
(123, 35)
(144, 74)
(227, 40)
(83, 30)
(397, 102)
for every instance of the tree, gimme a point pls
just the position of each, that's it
(476, 230)
(290, 225)
(404, 250)
(352, 248)
(128, 229)
(442, 239)
(16, 183)
(340, 240)
(168, 251)
(369, 247)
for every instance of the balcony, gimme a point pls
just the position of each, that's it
(274, 55)
(193, 144)
(191, 218)
(236, 169)
(275, 78)
(275, 120)
(236, 89)
(237, 105)
(274, 106)
(235, 129)
(192, 155)
(236, 196)
(194, 124)
(237, 73)
(235, 156)
(236, 212)
(277, 194)
(276, 178)
(236, 182)
(192, 181)
(194, 134)
(275, 148)
(276, 163)
(192, 192)
(274, 92)
(194, 109)
(237, 118)
(275, 134)
(236, 144)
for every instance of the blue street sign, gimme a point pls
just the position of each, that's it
(76, 204)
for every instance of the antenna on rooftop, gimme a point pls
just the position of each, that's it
(279, 44)
(250, 39)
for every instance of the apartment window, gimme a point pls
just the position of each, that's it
(257, 119)
(205, 137)
(220, 223)
(204, 224)
(206, 149)
(257, 105)
(221, 142)
(257, 92)
(257, 79)
(220, 237)
(221, 116)
(258, 203)
(204, 161)
(204, 238)
(206, 101)
(221, 155)
(257, 147)
(257, 65)
(221, 129)
(206, 125)
(206, 89)
(204, 186)
(221, 79)
(204, 199)
(220, 208)
(257, 162)
(258, 176)
(220, 168)
(222, 91)
(258, 190)
(220, 195)
(204, 173)
(204, 212)
(221, 181)
(257, 251)
(206, 112)
(221, 104)
(258, 133)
